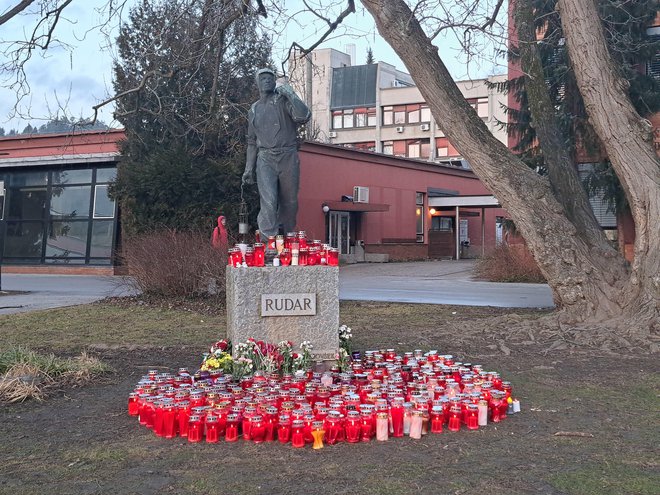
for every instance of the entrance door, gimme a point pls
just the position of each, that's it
(442, 243)
(340, 228)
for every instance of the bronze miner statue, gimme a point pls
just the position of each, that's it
(272, 152)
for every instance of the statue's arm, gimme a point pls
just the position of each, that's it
(297, 108)
(251, 154)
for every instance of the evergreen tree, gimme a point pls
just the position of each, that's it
(186, 126)
(630, 46)
(370, 56)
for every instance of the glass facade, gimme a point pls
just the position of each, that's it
(58, 215)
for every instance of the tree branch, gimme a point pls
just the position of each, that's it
(332, 26)
(15, 11)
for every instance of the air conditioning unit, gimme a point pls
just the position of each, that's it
(399, 129)
(425, 127)
(332, 134)
(360, 194)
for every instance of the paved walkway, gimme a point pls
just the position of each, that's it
(431, 282)
(436, 282)
(54, 291)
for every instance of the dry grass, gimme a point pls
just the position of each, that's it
(29, 375)
(509, 263)
(176, 264)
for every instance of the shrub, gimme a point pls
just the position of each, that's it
(509, 263)
(171, 263)
(25, 374)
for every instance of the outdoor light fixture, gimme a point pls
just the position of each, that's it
(432, 211)
(325, 208)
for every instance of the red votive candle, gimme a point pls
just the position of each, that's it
(270, 421)
(249, 256)
(353, 427)
(333, 257)
(367, 425)
(235, 257)
(169, 419)
(257, 428)
(212, 431)
(302, 239)
(313, 256)
(285, 257)
(231, 432)
(297, 435)
(303, 253)
(259, 254)
(284, 429)
(455, 418)
(495, 408)
(307, 430)
(437, 418)
(396, 412)
(133, 398)
(195, 428)
(472, 420)
(183, 417)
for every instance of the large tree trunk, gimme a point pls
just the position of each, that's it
(628, 140)
(587, 282)
(564, 179)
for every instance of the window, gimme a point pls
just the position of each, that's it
(388, 147)
(400, 115)
(353, 117)
(419, 148)
(419, 215)
(24, 239)
(104, 206)
(337, 120)
(70, 202)
(368, 146)
(51, 214)
(63, 177)
(371, 117)
(482, 107)
(413, 114)
(388, 115)
(406, 114)
(425, 112)
(444, 148)
(106, 175)
(67, 239)
(348, 119)
(27, 203)
(605, 215)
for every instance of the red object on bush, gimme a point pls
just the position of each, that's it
(219, 237)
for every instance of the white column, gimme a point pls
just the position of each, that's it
(458, 234)
(483, 231)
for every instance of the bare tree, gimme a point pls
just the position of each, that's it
(589, 284)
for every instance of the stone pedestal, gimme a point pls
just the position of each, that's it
(293, 303)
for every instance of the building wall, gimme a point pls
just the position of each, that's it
(55, 210)
(394, 88)
(330, 172)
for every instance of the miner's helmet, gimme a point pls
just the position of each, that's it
(265, 71)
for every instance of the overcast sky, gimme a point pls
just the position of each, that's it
(79, 75)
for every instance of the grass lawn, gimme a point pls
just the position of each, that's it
(80, 440)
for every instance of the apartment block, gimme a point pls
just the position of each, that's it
(376, 107)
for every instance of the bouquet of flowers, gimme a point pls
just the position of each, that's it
(218, 357)
(345, 336)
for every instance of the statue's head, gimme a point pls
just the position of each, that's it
(266, 80)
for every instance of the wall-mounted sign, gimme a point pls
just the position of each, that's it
(288, 304)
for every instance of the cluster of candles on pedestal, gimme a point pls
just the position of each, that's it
(384, 395)
(294, 249)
